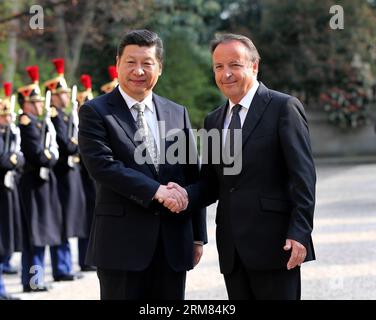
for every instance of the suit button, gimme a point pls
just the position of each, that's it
(232, 189)
(156, 213)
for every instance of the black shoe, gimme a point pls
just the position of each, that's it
(10, 270)
(69, 277)
(28, 288)
(8, 297)
(88, 268)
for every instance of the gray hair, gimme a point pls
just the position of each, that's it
(228, 37)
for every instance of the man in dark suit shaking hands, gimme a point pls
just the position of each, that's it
(141, 249)
(265, 212)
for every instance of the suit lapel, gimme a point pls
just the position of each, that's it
(221, 116)
(163, 114)
(123, 115)
(219, 122)
(255, 112)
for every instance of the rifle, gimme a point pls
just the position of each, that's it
(46, 137)
(73, 124)
(9, 146)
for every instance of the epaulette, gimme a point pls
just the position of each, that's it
(25, 120)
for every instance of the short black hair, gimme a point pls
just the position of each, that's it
(228, 37)
(142, 38)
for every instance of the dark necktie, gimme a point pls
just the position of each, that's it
(235, 123)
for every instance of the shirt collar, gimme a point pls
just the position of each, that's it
(246, 101)
(148, 101)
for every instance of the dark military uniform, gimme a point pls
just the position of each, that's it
(11, 161)
(11, 226)
(83, 242)
(87, 182)
(70, 186)
(11, 222)
(71, 193)
(43, 214)
(40, 197)
(38, 184)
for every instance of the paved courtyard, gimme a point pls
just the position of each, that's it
(344, 237)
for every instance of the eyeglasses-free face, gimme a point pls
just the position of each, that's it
(138, 70)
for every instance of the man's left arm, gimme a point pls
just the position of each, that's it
(296, 147)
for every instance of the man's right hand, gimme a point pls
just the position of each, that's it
(172, 198)
(172, 205)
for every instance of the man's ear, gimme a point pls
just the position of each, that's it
(255, 66)
(117, 61)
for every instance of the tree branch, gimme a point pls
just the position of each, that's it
(79, 37)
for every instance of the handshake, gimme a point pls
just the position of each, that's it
(172, 196)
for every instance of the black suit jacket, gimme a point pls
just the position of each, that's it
(273, 197)
(127, 222)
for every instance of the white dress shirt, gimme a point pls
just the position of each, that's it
(245, 102)
(150, 113)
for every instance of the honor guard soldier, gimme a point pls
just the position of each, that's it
(38, 183)
(109, 86)
(67, 171)
(87, 181)
(11, 161)
(7, 267)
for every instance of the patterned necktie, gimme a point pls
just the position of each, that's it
(235, 123)
(146, 134)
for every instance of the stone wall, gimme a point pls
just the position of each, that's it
(331, 141)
